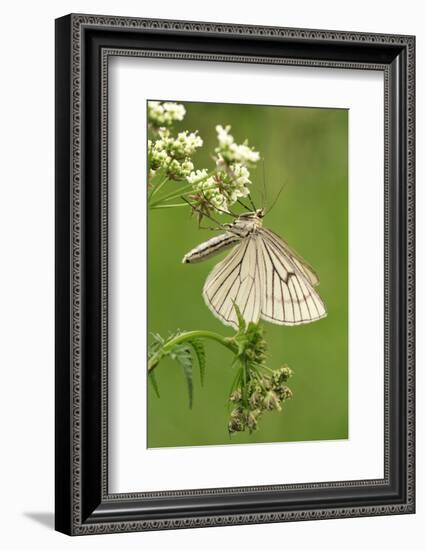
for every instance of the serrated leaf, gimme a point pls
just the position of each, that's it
(241, 322)
(182, 354)
(200, 354)
(154, 384)
(187, 371)
(157, 338)
(156, 344)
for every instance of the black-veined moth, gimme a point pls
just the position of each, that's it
(262, 275)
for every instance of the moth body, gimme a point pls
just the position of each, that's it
(210, 248)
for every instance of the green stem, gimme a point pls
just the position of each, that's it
(156, 188)
(183, 190)
(169, 205)
(173, 195)
(267, 368)
(244, 386)
(187, 336)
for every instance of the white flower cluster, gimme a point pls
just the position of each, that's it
(240, 177)
(173, 154)
(162, 115)
(197, 176)
(185, 144)
(232, 176)
(230, 151)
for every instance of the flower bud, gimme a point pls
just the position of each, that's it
(285, 373)
(252, 419)
(235, 396)
(236, 422)
(288, 394)
(255, 399)
(271, 401)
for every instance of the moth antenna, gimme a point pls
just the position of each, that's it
(244, 205)
(276, 199)
(251, 202)
(264, 190)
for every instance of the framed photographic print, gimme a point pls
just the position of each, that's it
(234, 274)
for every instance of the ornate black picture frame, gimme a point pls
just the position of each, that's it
(84, 44)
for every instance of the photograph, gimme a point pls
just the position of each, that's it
(247, 263)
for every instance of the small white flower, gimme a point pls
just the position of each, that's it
(173, 154)
(219, 201)
(243, 153)
(220, 163)
(174, 166)
(158, 158)
(185, 144)
(223, 136)
(228, 151)
(240, 174)
(187, 167)
(239, 193)
(198, 175)
(164, 114)
(206, 186)
(210, 191)
(174, 111)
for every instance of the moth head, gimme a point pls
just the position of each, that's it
(260, 212)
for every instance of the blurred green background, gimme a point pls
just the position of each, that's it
(306, 149)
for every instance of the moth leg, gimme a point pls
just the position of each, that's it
(209, 228)
(202, 215)
(227, 212)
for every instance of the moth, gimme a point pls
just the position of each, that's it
(262, 275)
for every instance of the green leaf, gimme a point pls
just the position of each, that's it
(154, 384)
(156, 344)
(200, 354)
(187, 371)
(182, 354)
(241, 322)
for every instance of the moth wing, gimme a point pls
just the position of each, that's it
(288, 297)
(301, 263)
(236, 280)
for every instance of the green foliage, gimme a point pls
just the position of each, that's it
(256, 387)
(180, 348)
(182, 354)
(253, 391)
(250, 341)
(306, 150)
(200, 353)
(153, 380)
